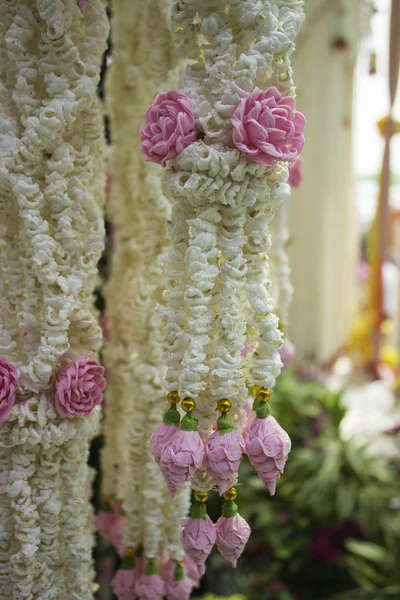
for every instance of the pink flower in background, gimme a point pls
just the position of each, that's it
(79, 387)
(287, 353)
(82, 4)
(232, 536)
(8, 388)
(198, 537)
(110, 525)
(124, 584)
(268, 446)
(150, 587)
(296, 173)
(223, 453)
(160, 438)
(179, 590)
(191, 571)
(267, 128)
(183, 455)
(104, 328)
(169, 127)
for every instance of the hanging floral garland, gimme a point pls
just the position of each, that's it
(138, 517)
(51, 237)
(226, 138)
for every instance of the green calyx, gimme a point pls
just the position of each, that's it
(107, 507)
(128, 563)
(151, 569)
(198, 511)
(225, 424)
(229, 509)
(179, 574)
(189, 422)
(172, 416)
(139, 551)
(261, 409)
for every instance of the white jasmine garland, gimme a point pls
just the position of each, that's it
(51, 182)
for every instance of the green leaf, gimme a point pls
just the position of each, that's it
(369, 551)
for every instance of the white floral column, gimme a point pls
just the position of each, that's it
(51, 237)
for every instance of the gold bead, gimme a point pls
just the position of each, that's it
(224, 405)
(129, 551)
(255, 389)
(284, 76)
(201, 497)
(230, 494)
(173, 398)
(188, 404)
(263, 394)
(280, 325)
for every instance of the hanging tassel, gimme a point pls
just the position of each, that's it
(180, 588)
(150, 586)
(198, 535)
(164, 431)
(125, 579)
(224, 449)
(232, 530)
(267, 444)
(184, 453)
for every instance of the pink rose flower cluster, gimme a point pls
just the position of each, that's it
(266, 127)
(8, 388)
(79, 387)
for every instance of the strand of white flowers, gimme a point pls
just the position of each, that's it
(173, 516)
(283, 289)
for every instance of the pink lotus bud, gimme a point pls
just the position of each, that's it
(198, 535)
(125, 580)
(232, 533)
(267, 446)
(161, 436)
(223, 453)
(150, 586)
(191, 571)
(110, 524)
(179, 587)
(183, 455)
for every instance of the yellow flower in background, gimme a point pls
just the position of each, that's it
(360, 338)
(390, 356)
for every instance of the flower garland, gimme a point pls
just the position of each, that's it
(136, 501)
(51, 149)
(227, 138)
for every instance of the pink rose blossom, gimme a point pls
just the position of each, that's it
(296, 173)
(268, 446)
(8, 388)
(198, 537)
(287, 353)
(232, 536)
(169, 127)
(82, 5)
(181, 458)
(267, 128)
(124, 584)
(223, 453)
(160, 438)
(150, 587)
(79, 387)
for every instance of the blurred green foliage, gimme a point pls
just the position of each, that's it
(332, 531)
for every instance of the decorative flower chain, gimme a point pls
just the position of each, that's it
(227, 144)
(51, 171)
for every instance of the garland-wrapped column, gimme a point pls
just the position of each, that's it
(226, 138)
(147, 528)
(51, 192)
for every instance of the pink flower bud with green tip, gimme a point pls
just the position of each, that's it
(198, 535)
(183, 455)
(150, 586)
(125, 579)
(233, 533)
(179, 587)
(267, 446)
(223, 453)
(161, 436)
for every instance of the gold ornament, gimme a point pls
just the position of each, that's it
(224, 405)
(230, 494)
(280, 325)
(255, 389)
(263, 394)
(201, 497)
(173, 398)
(188, 405)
